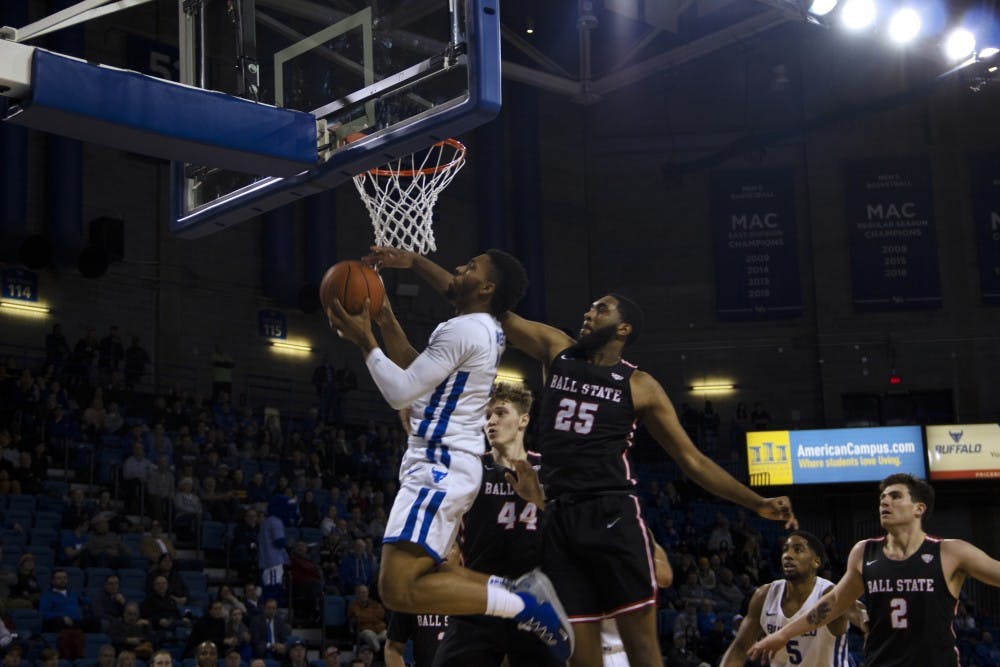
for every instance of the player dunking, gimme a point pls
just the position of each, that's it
(446, 388)
(593, 521)
(499, 534)
(776, 604)
(911, 580)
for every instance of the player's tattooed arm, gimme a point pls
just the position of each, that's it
(819, 613)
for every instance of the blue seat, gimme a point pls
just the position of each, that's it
(44, 537)
(75, 576)
(132, 578)
(11, 554)
(196, 582)
(92, 643)
(21, 503)
(311, 535)
(21, 517)
(189, 662)
(665, 621)
(27, 622)
(65, 663)
(213, 535)
(132, 542)
(48, 520)
(50, 504)
(334, 611)
(44, 556)
(95, 576)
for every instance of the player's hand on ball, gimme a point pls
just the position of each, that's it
(779, 509)
(390, 258)
(385, 317)
(354, 328)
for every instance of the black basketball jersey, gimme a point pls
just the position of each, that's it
(587, 424)
(426, 631)
(910, 608)
(499, 533)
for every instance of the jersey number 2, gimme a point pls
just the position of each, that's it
(898, 614)
(508, 516)
(576, 416)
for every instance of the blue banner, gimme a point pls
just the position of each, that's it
(20, 284)
(986, 208)
(756, 255)
(272, 324)
(890, 212)
(831, 456)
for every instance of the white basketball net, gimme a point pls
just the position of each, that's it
(400, 196)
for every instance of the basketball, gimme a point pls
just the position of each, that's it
(352, 282)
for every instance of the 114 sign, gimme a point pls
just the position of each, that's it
(20, 285)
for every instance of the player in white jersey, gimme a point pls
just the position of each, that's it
(775, 604)
(446, 388)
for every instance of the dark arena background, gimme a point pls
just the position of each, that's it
(806, 204)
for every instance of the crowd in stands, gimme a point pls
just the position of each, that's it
(116, 506)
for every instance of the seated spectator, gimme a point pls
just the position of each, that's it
(243, 548)
(106, 656)
(706, 618)
(207, 655)
(125, 659)
(706, 575)
(108, 510)
(238, 634)
(309, 510)
(986, 653)
(720, 533)
(727, 594)
(135, 473)
(49, 657)
(307, 584)
(686, 623)
(132, 633)
(329, 522)
(13, 656)
(691, 590)
(156, 543)
(209, 629)
(188, 509)
(104, 548)
(160, 609)
(297, 654)
(368, 619)
(25, 591)
(6, 636)
(257, 490)
(364, 657)
(376, 527)
(252, 601)
(357, 567)
(176, 587)
(78, 510)
(219, 504)
(229, 601)
(60, 607)
(109, 604)
(331, 656)
(161, 659)
(232, 659)
(680, 655)
(269, 633)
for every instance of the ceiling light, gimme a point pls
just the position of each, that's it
(712, 387)
(291, 347)
(858, 14)
(904, 26)
(822, 7)
(25, 309)
(960, 44)
(988, 52)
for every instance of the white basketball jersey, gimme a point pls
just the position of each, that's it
(452, 415)
(819, 648)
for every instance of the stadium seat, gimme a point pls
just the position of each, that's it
(11, 553)
(311, 535)
(44, 555)
(132, 578)
(95, 576)
(75, 576)
(132, 542)
(92, 643)
(665, 621)
(21, 503)
(213, 535)
(44, 537)
(334, 611)
(27, 622)
(48, 520)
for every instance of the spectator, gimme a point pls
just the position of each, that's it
(232, 659)
(77, 511)
(309, 510)
(986, 653)
(106, 656)
(367, 618)
(13, 656)
(188, 509)
(720, 533)
(72, 544)
(706, 575)
(251, 600)
(680, 655)
(364, 657)
(331, 656)
(111, 354)
(49, 657)
(271, 554)
(25, 592)
(176, 588)
(219, 504)
(329, 522)
(131, 632)
(210, 628)
(230, 602)
(269, 633)
(160, 609)
(162, 659)
(243, 548)
(136, 359)
(727, 594)
(109, 604)
(6, 636)
(56, 348)
(238, 634)
(60, 607)
(297, 654)
(760, 417)
(113, 419)
(222, 373)
(125, 659)
(155, 543)
(307, 584)
(135, 473)
(357, 567)
(207, 654)
(104, 548)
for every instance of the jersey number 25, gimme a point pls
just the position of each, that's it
(576, 416)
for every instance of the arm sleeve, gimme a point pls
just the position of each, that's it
(444, 354)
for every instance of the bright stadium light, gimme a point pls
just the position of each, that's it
(959, 44)
(858, 14)
(822, 7)
(904, 26)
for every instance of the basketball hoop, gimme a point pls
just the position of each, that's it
(400, 196)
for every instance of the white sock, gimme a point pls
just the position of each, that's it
(501, 602)
(497, 580)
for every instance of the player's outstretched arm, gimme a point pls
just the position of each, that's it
(749, 632)
(537, 340)
(657, 413)
(830, 606)
(394, 341)
(970, 560)
(524, 480)
(393, 258)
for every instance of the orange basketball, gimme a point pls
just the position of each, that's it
(352, 282)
